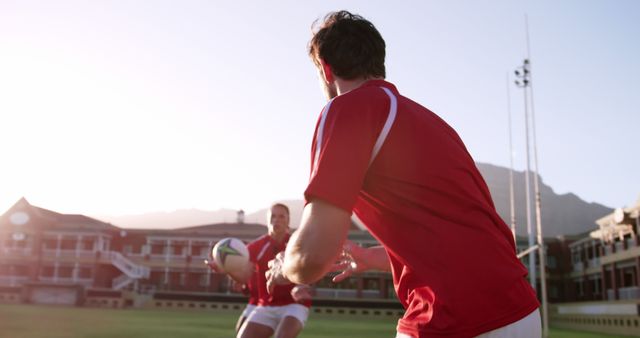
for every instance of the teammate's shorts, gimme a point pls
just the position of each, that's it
(271, 316)
(247, 311)
(529, 326)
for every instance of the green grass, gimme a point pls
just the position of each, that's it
(36, 321)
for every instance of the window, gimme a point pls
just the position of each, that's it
(85, 273)
(46, 271)
(86, 245)
(145, 249)
(204, 279)
(551, 262)
(157, 249)
(50, 245)
(65, 272)
(371, 284)
(575, 257)
(596, 288)
(68, 244)
(579, 288)
(629, 277)
(167, 250)
(127, 249)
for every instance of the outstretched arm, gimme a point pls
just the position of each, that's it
(357, 259)
(315, 246)
(240, 277)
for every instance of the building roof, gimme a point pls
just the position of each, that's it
(55, 220)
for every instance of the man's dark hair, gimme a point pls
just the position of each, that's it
(350, 44)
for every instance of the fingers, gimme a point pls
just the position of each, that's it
(212, 265)
(340, 266)
(270, 286)
(274, 274)
(342, 276)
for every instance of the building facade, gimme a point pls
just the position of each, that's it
(40, 249)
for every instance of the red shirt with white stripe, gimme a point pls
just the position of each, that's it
(261, 251)
(452, 257)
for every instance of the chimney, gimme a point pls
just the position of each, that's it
(240, 216)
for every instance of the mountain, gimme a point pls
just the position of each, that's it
(564, 214)
(295, 208)
(190, 217)
(174, 219)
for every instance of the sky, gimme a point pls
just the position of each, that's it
(128, 107)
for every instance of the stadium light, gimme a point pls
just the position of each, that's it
(527, 84)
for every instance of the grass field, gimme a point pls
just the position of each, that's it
(30, 321)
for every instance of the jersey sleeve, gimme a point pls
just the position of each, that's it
(342, 147)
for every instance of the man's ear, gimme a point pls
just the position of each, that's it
(327, 73)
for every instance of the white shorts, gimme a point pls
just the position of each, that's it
(271, 316)
(527, 327)
(247, 311)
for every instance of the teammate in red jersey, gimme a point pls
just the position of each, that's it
(283, 312)
(407, 175)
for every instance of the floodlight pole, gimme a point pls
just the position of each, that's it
(522, 73)
(511, 193)
(540, 239)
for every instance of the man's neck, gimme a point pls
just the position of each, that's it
(345, 86)
(279, 238)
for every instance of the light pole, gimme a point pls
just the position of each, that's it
(522, 81)
(511, 192)
(524, 74)
(540, 239)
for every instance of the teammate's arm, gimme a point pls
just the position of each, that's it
(241, 276)
(359, 259)
(315, 246)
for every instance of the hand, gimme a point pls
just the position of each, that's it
(213, 266)
(237, 287)
(352, 260)
(274, 274)
(301, 293)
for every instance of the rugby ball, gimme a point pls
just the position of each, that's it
(231, 255)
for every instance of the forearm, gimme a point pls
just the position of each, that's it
(316, 244)
(377, 259)
(243, 276)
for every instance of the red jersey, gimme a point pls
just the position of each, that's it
(452, 257)
(261, 251)
(252, 287)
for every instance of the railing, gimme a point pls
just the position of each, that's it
(17, 251)
(172, 258)
(346, 293)
(619, 246)
(610, 294)
(631, 242)
(128, 267)
(594, 263)
(632, 292)
(69, 253)
(12, 280)
(67, 280)
(121, 282)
